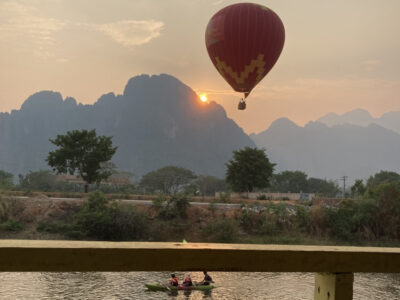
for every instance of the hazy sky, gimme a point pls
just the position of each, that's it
(338, 55)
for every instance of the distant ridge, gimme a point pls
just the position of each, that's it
(331, 152)
(157, 121)
(361, 117)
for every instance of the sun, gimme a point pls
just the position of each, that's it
(203, 98)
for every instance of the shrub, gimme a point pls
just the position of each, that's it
(269, 226)
(101, 219)
(302, 218)
(159, 201)
(175, 206)
(12, 225)
(4, 210)
(224, 196)
(54, 227)
(262, 197)
(251, 221)
(222, 231)
(341, 221)
(212, 208)
(129, 224)
(180, 203)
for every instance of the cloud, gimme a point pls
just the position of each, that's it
(21, 23)
(131, 32)
(218, 2)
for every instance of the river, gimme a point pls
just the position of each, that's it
(230, 286)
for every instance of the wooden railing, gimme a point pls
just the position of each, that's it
(334, 266)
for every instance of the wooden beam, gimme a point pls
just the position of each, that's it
(65, 256)
(333, 286)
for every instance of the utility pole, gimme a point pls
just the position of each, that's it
(344, 184)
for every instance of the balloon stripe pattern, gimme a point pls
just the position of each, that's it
(244, 41)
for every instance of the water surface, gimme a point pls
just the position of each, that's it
(234, 285)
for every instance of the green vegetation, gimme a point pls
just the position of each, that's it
(322, 187)
(9, 219)
(102, 219)
(371, 217)
(358, 189)
(381, 178)
(171, 207)
(43, 180)
(167, 180)
(12, 225)
(363, 221)
(222, 231)
(250, 168)
(6, 180)
(297, 182)
(209, 185)
(83, 152)
(290, 181)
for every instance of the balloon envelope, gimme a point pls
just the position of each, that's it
(244, 42)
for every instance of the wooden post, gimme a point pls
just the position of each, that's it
(333, 286)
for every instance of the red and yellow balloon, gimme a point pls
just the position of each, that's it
(244, 42)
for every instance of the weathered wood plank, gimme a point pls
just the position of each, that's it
(63, 256)
(333, 286)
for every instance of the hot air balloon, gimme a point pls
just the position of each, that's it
(244, 42)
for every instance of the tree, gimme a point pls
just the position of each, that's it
(6, 180)
(358, 189)
(208, 185)
(83, 152)
(381, 178)
(289, 181)
(168, 180)
(43, 180)
(250, 168)
(322, 187)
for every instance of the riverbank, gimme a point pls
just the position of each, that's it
(173, 219)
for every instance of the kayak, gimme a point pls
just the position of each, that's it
(154, 286)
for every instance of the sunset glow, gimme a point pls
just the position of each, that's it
(203, 98)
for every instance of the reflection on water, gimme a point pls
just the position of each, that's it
(230, 286)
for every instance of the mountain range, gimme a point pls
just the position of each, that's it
(159, 121)
(361, 117)
(331, 152)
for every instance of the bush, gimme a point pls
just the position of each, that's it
(222, 231)
(12, 225)
(269, 226)
(302, 217)
(251, 221)
(262, 197)
(54, 227)
(129, 224)
(180, 204)
(4, 210)
(341, 221)
(175, 206)
(101, 219)
(224, 196)
(159, 201)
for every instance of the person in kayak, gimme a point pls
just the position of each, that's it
(207, 279)
(188, 280)
(174, 280)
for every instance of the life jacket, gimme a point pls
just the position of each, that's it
(174, 281)
(188, 281)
